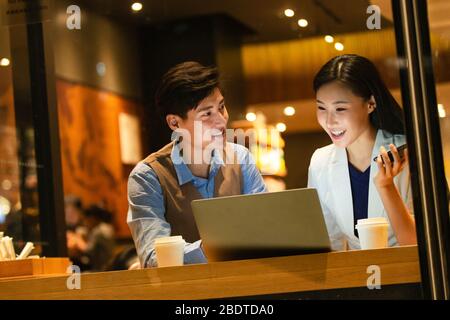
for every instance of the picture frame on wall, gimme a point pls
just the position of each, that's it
(130, 139)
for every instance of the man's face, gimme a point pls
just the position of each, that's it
(72, 215)
(205, 125)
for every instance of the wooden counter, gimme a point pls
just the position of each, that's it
(258, 277)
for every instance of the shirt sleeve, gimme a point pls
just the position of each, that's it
(252, 179)
(146, 217)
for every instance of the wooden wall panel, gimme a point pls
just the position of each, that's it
(90, 147)
(281, 71)
(284, 71)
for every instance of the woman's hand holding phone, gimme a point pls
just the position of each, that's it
(387, 169)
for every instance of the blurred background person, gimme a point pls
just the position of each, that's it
(95, 248)
(73, 209)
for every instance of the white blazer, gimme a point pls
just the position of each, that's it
(328, 173)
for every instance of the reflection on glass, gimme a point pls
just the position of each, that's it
(111, 64)
(19, 213)
(440, 46)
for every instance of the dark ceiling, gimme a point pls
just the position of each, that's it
(264, 17)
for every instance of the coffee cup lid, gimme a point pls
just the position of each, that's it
(378, 220)
(172, 239)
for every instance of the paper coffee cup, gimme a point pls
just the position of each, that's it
(169, 251)
(373, 233)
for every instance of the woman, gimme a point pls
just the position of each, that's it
(362, 119)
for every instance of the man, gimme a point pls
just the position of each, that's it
(198, 163)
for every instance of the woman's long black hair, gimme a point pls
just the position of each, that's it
(361, 76)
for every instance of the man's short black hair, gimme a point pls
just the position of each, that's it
(184, 86)
(74, 201)
(99, 213)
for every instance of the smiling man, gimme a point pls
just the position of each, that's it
(198, 163)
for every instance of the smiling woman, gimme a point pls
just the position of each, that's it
(362, 119)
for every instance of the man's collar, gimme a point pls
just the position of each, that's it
(183, 172)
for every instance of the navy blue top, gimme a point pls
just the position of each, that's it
(360, 192)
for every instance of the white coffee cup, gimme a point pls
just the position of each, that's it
(373, 233)
(169, 251)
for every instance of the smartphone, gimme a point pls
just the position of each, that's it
(401, 153)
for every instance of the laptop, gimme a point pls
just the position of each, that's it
(261, 225)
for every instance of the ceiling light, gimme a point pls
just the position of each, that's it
(250, 116)
(302, 23)
(329, 38)
(441, 110)
(339, 46)
(137, 6)
(4, 62)
(289, 111)
(281, 127)
(289, 13)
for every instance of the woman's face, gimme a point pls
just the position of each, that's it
(342, 114)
